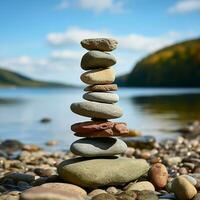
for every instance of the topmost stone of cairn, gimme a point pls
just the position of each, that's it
(101, 44)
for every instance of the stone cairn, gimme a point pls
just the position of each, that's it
(98, 164)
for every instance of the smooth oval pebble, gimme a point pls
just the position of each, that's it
(139, 186)
(183, 189)
(98, 147)
(97, 110)
(99, 76)
(196, 197)
(101, 88)
(58, 191)
(190, 179)
(94, 173)
(104, 97)
(158, 175)
(96, 192)
(97, 59)
(102, 44)
(104, 196)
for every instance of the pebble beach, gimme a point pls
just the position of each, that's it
(174, 165)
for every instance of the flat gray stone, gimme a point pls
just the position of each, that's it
(97, 110)
(97, 59)
(102, 44)
(104, 97)
(94, 173)
(98, 147)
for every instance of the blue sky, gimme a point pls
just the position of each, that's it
(40, 38)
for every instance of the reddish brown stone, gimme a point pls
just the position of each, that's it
(158, 175)
(91, 126)
(119, 129)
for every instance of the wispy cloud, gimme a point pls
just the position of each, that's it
(62, 5)
(73, 35)
(184, 6)
(114, 6)
(130, 42)
(66, 54)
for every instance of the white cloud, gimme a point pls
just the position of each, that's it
(72, 35)
(130, 42)
(100, 6)
(183, 6)
(22, 61)
(66, 54)
(62, 5)
(114, 6)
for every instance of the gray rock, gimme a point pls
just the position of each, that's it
(21, 177)
(97, 110)
(97, 59)
(146, 195)
(94, 173)
(104, 97)
(98, 147)
(142, 142)
(102, 44)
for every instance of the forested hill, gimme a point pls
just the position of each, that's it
(174, 66)
(9, 78)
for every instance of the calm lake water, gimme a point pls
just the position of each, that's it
(152, 111)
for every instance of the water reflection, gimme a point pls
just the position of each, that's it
(183, 108)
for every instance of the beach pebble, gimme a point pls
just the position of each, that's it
(13, 195)
(124, 196)
(104, 196)
(146, 195)
(44, 172)
(98, 147)
(134, 133)
(173, 160)
(104, 97)
(192, 180)
(96, 192)
(11, 145)
(99, 76)
(101, 88)
(96, 60)
(158, 175)
(97, 110)
(139, 186)
(141, 142)
(196, 197)
(112, 190)
(183, 189)
(58, 191)
(101, 44)
(80, 171)
(20, 177)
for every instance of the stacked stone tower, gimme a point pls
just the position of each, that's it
(98, 164)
